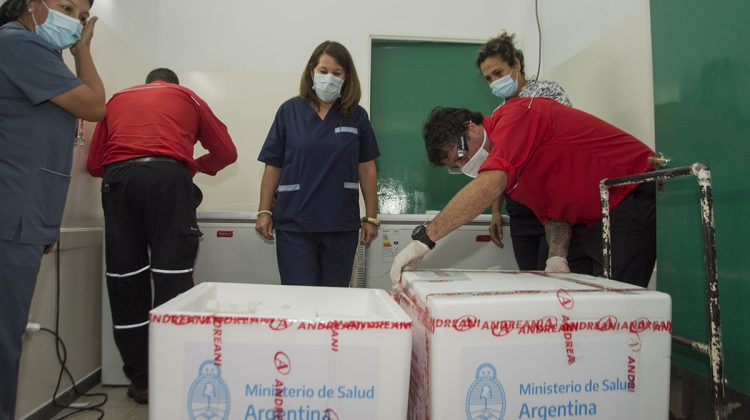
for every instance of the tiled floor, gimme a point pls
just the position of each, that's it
(118, 407)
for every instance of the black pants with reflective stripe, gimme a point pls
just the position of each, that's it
(633, 229)
(150, 232)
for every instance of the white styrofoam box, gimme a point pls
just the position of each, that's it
(531, 345)
(253, 351)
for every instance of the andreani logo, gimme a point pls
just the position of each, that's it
(486, 397)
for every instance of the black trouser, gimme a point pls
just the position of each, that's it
(150, 230)
(633, 229)
(527, 235)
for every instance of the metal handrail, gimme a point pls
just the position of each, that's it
(714, 347)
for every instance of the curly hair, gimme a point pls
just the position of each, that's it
(443, 128)
(502, 46)
(14, 9)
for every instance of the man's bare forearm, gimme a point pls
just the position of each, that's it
(558, 238)
(476, 196)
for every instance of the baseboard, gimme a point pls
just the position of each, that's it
(48, 410)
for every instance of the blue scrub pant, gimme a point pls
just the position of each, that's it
(316, 259)
(19, 266)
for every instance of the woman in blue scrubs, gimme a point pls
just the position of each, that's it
(40, 99)
(319, 153)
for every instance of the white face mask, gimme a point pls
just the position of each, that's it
(327, 86)
(471, 168)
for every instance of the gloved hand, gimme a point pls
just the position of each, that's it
(409, 257)
(557, 265)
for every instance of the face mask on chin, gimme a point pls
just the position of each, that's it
(471, 168)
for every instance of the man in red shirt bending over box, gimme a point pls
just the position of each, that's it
(549, 157)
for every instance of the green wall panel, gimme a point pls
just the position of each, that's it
(408, 80)
(701, 90)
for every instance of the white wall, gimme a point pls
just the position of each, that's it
(245, 57)
(600, 52)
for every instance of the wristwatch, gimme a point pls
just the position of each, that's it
(371, 220)
(420, 234)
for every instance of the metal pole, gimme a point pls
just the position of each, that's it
(606, 232)
(712, 288)
(714, 347)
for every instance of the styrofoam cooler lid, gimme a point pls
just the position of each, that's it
(427, 282)
(288, 302)
(450, 292)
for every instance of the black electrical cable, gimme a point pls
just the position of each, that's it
(62, 357)
(539, 30)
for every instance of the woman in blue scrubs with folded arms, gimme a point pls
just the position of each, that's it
(319, 153)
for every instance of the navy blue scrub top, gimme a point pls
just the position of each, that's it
(36, 137)
(319, 186)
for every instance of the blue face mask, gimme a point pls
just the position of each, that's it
(60, 30)
(327, 86)
(504, 87)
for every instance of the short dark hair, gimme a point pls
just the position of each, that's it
(351, 92)
(163, 74)
(442, 130)
(13, 9)
(502, 46)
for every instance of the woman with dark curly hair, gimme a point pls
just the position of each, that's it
(502, 66)
(40, 99)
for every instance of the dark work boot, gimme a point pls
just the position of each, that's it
(139, 394)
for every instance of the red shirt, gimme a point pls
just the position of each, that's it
(556, 155)
(160, 119)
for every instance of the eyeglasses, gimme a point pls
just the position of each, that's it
(462, 151)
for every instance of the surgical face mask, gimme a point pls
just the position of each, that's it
(471, 168)
(60, 30)
(504, 87)
(327, 86)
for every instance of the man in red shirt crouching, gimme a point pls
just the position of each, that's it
(549, 157)
(144, 151)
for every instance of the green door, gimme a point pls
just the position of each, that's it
(702, 114)
(408, 80)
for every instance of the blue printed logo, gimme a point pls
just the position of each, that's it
(486, 397)
(208, 398)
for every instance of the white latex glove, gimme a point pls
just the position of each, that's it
(409, 257)
(557, 265)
